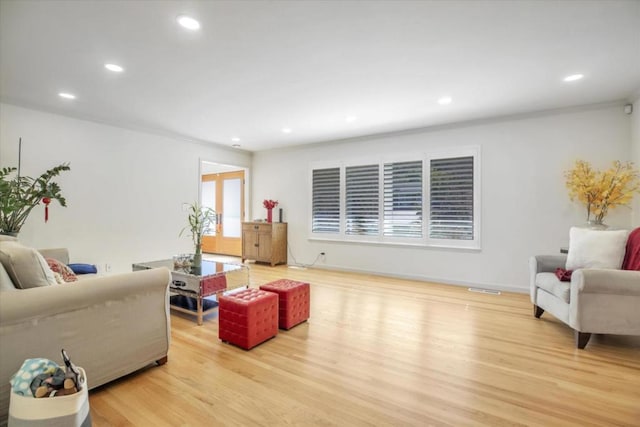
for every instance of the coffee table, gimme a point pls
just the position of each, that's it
(189, 286)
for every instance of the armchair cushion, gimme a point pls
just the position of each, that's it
(596, 248)
(550, 283)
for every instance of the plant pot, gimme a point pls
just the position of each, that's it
(197, 260)
(196, 266)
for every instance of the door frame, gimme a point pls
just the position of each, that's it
(206, 167)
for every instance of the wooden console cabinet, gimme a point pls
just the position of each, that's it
(265, 242)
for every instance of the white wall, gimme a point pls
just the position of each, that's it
(525, 207)
(635, 142)
(124, 192)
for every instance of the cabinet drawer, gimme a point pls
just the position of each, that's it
(254, 226)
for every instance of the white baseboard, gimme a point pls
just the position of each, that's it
(496, 287)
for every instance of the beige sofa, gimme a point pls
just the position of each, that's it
(110, 325)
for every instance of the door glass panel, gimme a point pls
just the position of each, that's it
(231, 221)
(209, 200)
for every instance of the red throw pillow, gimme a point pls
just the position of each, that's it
(563, 275)
(57, 267)
(632, 256)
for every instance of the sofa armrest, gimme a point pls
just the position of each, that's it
(60, 254)
(603, 281)
(43, 302)
(109, 325)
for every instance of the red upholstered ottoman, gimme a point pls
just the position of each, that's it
(293, 300)
(248, 318)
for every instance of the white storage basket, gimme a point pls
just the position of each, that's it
(62, 411)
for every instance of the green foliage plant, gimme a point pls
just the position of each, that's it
(20, 194)
(200, 220)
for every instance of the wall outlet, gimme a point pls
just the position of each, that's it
(107, 268)
(323, 257)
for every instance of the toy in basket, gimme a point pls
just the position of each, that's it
(42, 394)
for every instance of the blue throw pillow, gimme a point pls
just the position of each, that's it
(83, 268)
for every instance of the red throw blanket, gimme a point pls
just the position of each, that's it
(632, 256)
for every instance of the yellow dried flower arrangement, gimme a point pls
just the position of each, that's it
(602, 190)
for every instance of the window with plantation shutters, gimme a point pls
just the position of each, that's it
(451, 207)
(326, 201)
(403, 199)
(424, 199)
(362, 200)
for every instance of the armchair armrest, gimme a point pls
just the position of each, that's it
(543, 264)
(547, 263)
(604, 281)
(605, 301)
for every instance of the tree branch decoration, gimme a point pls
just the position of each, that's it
(601, 191)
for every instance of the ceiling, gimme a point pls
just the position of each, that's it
(255, 67)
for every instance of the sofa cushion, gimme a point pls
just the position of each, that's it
(550, 283)
(65, 272)
(26, 267)
(6, 284)
(5, 238)
(83, 268)
(596, 248)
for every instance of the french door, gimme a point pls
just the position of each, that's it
(224, 193)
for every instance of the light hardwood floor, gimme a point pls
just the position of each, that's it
(382, 351)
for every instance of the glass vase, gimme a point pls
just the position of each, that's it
(594, 224)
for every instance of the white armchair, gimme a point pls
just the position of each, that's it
(600, 301)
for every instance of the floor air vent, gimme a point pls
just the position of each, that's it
(484, 291)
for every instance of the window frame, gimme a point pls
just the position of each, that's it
(455, 152)
(425, 240)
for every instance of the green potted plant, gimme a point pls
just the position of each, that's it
(20, 194)
(200, 219)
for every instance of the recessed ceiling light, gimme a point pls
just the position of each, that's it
(235, 139)
(66, 95)
(350, 119)
(286, 130)
(573, 77)
(188, 22)
(113, 67)
(445, 100)
(235, 145)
